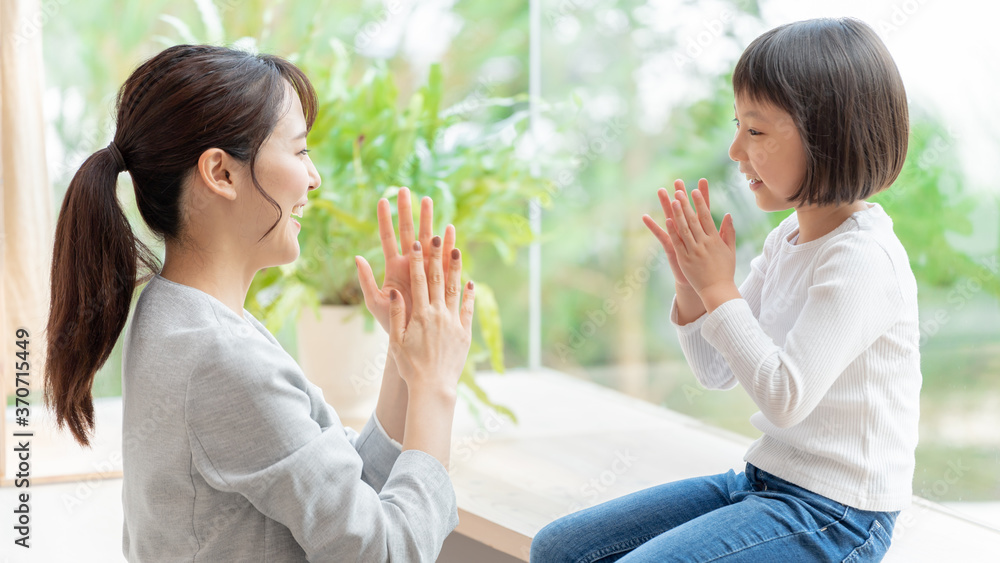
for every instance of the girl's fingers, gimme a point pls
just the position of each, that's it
(659, 233)
(435, 273)
(691, 217)
(683, 222)
(405, 212)
(675, 238)
(418, 279)
(703, 188)
(386, 232)
(704, 215)
(468, 306)
(728, 232)
(664, 196)
(453, 282)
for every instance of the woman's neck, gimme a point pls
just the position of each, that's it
(226, 281)
(817, 221)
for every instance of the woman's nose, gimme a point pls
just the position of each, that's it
(314, 175)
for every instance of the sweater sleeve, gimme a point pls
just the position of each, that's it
(708, 365)
(853, 298)
(249, 423)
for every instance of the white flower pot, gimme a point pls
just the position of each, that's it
(343, 359)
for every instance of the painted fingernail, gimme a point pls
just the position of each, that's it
(392, 295)
(416, 245)
(455, 254)
(469, 285)
(436, 241)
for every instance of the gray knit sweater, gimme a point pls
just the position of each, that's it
(231, 454)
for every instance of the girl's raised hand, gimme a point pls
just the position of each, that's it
(664, 237)
(397, 263)
(706, 256)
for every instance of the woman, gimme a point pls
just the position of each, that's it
(229, 453)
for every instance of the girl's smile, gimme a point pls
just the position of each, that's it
(770, 152)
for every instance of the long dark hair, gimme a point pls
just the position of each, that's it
(175, 106)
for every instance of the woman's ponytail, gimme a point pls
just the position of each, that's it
(94, 265)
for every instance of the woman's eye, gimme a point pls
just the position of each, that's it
(304, 151)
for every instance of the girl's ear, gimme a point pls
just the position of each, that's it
(215, 170)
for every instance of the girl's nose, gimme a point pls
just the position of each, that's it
(736, 151)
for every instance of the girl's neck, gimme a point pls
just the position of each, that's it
(817, 221)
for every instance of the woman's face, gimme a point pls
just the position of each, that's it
(770, 152)
(286, 173)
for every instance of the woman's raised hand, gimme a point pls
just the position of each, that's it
(431, 346)
(397, 264)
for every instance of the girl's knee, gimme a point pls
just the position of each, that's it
(551, 544)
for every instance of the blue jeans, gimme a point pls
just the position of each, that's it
(750, 516)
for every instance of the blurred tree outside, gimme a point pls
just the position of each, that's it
(635, 94)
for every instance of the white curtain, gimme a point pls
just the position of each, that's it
(25, 194)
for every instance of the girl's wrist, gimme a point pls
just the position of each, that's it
(714, 295)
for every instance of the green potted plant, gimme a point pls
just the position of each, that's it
(366, 146)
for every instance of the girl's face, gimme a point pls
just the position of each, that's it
(286, 173)
(769, 149)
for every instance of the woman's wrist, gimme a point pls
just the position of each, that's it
(393, 400)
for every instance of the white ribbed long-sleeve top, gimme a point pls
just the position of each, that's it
(825, 341)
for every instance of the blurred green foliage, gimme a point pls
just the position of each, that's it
(633, 100)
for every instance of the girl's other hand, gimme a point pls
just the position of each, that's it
(431, 346)
(397, 264)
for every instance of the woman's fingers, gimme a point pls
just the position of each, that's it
(435, 273)
(468, 306)
(386, 232)
(397, 318)
(418, 279)
(453, 281)
(426, 226)
(405, 212)
(369, 287)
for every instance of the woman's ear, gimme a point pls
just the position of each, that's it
(216, 169)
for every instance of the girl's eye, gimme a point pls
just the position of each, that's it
(753, 132)
(304, 151)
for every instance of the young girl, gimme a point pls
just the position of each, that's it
(229, 452)
(822, 334)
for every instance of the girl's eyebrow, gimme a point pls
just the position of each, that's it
(753, 114)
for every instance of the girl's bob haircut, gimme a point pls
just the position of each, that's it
(839, 83)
